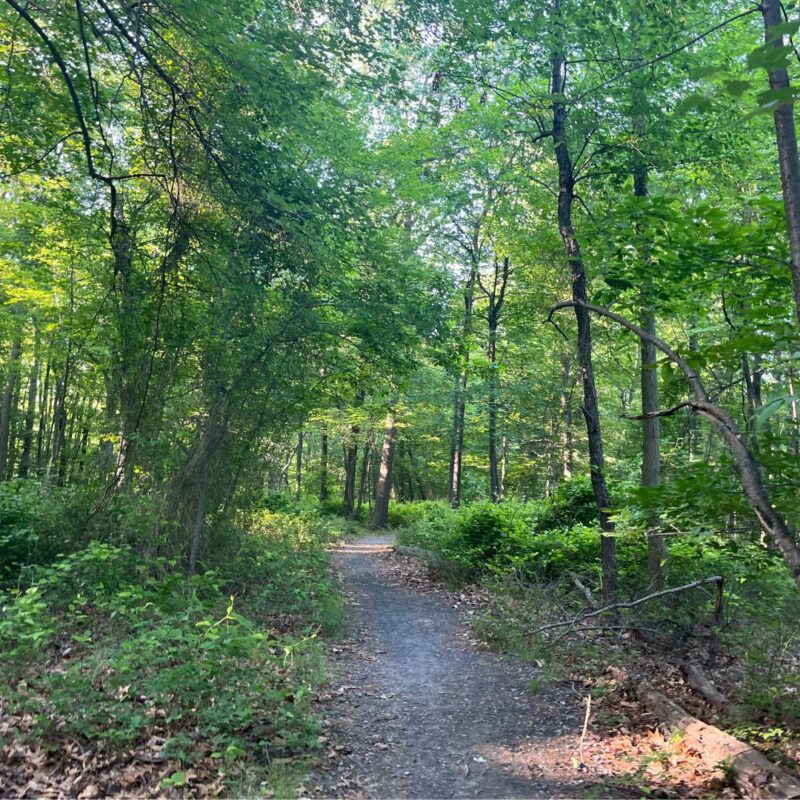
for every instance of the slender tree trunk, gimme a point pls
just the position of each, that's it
(350, 463)
(6, 408)
(60, 419)
(30, 414)
(786, 137)
(460, 394)
(651, 424)
(298, 465)
(494, 472)
(323, 468)
(365, 463)
(503, 465)
(694, 427)
(566, 419)
(380, 515)
(44, 404)
(200, 515)
(591, 412)
(651, 451)
(130, 341)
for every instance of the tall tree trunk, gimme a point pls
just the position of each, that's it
(651, 424)
(503, 465)
(14, 435)
(6, 408)
(59, 425)
(566, 418)
(460, 395)
(694, 427)
(369, 446)
(323, 467)
(494, 472)
(130, 340)
(651, 449)
(30, 414)
(496, 295)
(380, 515)
(350, 463)
(298, 465)
(786, 137)
(200, 515)
(591, 412)
(44, 404)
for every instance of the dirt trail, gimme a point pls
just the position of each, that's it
(417, 710)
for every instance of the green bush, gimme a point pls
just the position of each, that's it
(107, 647)
(38, 521)
(404, 515)
(572, 503)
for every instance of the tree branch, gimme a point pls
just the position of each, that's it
(632, 603)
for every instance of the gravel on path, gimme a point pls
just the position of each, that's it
(418, 710)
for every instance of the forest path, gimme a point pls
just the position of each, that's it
(418, 710)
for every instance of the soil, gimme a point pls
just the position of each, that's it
(419, 709)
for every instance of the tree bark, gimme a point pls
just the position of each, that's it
(30, 414)
(591, 412)
(651, 429)
(350, 463)
(786, 137)
(651, 450)
(496, 298)
(694, 428)
(323, 467)
(298, 465)
(44, 403)
(59, 424)
(366, 460)
(6, 408)
(566, 419)
(460, 395)
(380, 515)
(200, 515)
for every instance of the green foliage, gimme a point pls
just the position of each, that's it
(572, 503)
(221, 665)
(37, 522)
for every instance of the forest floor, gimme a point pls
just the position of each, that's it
(418, 708)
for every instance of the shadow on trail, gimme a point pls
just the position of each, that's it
(419, 711)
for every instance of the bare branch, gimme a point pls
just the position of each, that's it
(631, 604)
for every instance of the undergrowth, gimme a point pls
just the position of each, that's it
(210, 676)
(533, 555)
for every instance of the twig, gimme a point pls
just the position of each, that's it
(584, 589)
(585, 727)
(714, 579)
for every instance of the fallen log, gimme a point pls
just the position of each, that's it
(754, 775)
(699, 681)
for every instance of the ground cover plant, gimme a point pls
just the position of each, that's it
(197, 686)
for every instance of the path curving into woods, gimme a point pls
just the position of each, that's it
(418, 710)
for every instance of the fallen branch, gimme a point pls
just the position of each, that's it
(584, 589)
(753, 773)
(631, 604)
(699, 681)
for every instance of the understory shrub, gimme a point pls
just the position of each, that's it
(104, 647)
